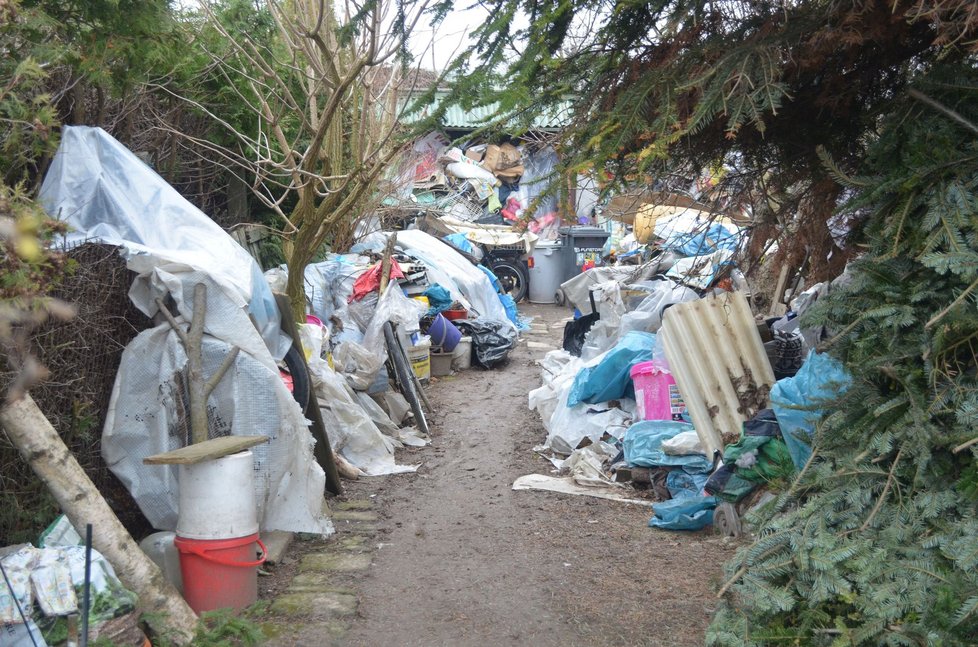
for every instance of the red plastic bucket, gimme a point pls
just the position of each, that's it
(220, 573)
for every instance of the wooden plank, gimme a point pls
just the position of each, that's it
(206, 451)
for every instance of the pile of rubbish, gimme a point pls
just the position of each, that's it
(486, 183)
(679, 398)
(399, 309)
(44, 589)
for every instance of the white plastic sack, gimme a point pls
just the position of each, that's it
(683, 444)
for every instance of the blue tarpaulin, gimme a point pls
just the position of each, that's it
(610, 379)
(691, 513)
(800, 401)
(643, 447)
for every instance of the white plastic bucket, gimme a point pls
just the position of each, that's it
(217, 498)
(546, 273)
(420, 357)
(462, 355)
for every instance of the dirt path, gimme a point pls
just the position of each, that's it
(464, 560)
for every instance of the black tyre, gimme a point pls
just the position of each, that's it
(513, 278)
(296, 364)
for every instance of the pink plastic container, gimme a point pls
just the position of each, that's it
(656, 394)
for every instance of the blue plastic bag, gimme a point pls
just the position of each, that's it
(800, 401)
(459, 241)
(691, 513)
(439, 299)
(610, 379)
(643, 447)
(682, 485)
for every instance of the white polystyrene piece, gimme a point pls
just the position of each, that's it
(716, 355)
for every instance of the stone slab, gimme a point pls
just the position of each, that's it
(354, 504)
(276, 542)
(320, 605)
(337, 562)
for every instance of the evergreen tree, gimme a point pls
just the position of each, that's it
(877, 541)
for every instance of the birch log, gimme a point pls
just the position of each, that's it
(52, 461)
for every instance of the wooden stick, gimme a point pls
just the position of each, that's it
(385, 263)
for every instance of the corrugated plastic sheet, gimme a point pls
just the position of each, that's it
(458, 118)
(715, 353)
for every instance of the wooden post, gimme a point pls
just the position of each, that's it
(385, 263)
(192, 340)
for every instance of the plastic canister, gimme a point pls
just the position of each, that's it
(546, 272)
(657, 396)
(159, 548)
(217, 498)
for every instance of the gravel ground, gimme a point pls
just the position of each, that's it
(461, 559)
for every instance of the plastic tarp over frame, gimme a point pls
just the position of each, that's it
(106, 193)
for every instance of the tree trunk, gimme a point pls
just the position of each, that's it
(45, 451)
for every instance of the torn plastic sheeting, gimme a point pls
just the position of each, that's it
(146, 416)
(584, 465)
(106, 193)
(350, 428)
(454, 272)
(557, 370)
(690, 513)
(647, 316)
(576, 289)
(567, 485)
(701, 271)
(610, 379)
(354, 432)
(682, 485)
(715, 354)
(643, 446)
(691, 232)
(570, 425)
(800, 401)
(361, 362)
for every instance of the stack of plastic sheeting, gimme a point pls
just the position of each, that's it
(716, 356)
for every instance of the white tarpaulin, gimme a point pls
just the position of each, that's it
(105, 192)
(466, 282)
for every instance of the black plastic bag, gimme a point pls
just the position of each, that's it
(491, 340)
(576, 330)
